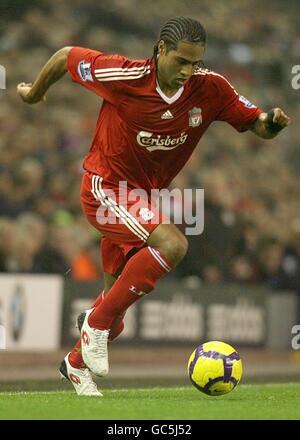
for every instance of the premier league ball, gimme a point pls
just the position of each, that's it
(215, 368)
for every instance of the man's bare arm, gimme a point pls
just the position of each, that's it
(52, 71)
(268, 125)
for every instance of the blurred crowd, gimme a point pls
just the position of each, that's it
(252, 186)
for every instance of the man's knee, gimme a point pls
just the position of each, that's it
(170, 242)
(176, 249)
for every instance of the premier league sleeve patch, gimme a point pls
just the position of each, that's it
(246, 102)
(84, 71)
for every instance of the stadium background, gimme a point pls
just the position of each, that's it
(252, 187)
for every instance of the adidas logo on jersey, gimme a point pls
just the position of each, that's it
(167, 115)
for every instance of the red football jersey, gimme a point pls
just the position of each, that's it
(142, 136)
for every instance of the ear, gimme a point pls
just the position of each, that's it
(161, 47)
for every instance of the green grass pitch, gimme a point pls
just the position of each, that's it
(277, 401)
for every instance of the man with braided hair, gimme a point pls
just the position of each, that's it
(153, 115)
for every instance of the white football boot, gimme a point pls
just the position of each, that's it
(94, 347)
(80, 378)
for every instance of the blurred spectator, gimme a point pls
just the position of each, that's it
(86, 265)
(243, 270)
(270, 257)
(212, 275)
(7, 243)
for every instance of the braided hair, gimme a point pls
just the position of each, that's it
(180, 28)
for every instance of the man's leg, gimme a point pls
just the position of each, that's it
(126, 228)
(118, 324)
(166, 246)
(75, 357)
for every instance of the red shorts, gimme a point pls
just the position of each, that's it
(124, 217)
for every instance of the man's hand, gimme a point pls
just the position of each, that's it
(275, 118)
(24, 90)
(268, 125)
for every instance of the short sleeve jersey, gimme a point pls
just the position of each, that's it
(142, 136)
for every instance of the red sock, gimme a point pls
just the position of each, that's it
(138, 277)
(75, 357)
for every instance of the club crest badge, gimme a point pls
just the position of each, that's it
(146, 214)
(195, 117)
